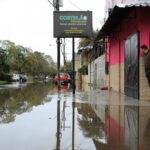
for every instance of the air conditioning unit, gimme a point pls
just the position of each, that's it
(60, 3)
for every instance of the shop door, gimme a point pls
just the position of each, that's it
(132, 66)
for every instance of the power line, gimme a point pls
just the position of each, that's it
(50, 3)
(100, 21)
(76, 6)
(75, 41)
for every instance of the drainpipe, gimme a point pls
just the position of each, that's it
(119, 67)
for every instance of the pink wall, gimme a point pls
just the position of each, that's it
(128, 27)
(114, 134)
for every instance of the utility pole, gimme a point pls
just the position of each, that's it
(73, 65)
(64, 53)
(58, 52)
(58, 82)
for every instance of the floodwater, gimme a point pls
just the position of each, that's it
(35, 117)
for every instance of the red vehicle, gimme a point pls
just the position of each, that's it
(64, 88)
(63, 78)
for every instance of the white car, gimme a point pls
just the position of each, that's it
(15, 77)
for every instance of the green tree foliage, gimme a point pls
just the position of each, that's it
(44, 65)
(83, 70)
(16, 58)
(85, 42)
(4, 66)
(68, 67)
(90, 49)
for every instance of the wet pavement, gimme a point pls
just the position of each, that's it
(35, 117)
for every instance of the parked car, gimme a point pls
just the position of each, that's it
(63, 78)
(15, 77)
(22, 78)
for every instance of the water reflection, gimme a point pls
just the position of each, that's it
(126, 121)
(96, 120)
(18, 101)
(58, 133)
(63, 88)
(90, 124)
(102, 125)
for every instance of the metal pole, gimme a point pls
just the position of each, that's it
(58, 52)
(57, 5)
(58, 126)
(73, 122)
(58, 62)
(73, 65)
(58, 82)
(64, 53)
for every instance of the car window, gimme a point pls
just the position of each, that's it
(62, 75)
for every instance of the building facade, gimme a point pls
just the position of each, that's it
(126, 29)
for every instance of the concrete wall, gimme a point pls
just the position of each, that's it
(144, 87)
(85, 82)
(77, 66)
(115, 79)
(96, 72)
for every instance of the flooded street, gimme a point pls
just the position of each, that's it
(36, 117)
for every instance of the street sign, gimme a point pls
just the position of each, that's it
(72, 24)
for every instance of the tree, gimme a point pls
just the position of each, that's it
(5, 59)
(67, 68)
(30, 63)
(16, 58)
(44, 65)
(85, 42)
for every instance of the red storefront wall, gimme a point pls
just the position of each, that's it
(128, 27)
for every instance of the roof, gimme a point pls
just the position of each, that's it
(135, 4)
(119, 12)
(87, 48)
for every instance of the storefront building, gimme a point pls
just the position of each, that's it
(126, 29)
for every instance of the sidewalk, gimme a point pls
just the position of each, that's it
(109, 97)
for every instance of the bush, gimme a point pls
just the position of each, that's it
(83, 70)
(5, 76)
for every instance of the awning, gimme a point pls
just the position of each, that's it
(119, 12)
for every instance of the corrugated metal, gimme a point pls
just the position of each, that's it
(117, 15)
(135, 4)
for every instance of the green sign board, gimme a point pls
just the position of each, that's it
(72, 24)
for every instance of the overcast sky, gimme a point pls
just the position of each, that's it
(30, 22)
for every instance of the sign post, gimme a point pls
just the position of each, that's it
(73, 65)
(73, 24)
(58, 52)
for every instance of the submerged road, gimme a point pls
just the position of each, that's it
(35, 117)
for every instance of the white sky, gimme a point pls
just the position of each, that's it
(30, 22)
